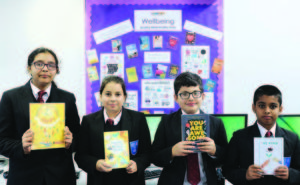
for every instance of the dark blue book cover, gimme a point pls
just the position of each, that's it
(194, 128)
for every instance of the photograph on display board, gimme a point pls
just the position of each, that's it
(111, 64)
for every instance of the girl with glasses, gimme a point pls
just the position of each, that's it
(37, 167)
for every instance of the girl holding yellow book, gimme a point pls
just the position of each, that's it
(108, 136)
(28, 164)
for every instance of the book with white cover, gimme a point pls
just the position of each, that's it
(268, 153)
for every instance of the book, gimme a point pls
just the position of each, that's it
(268, 153)
(190, 38)
(144, 43)
(116, 45)
(131, 74)
(92, 56)
(217, 66)
(147, 70)
(47, 121)
(173, 70)
(161, 71)
(172, 42)
(210, 85)
(116, 149)
(131, 51)
(194, 128)
(157, 41)
(92, 73)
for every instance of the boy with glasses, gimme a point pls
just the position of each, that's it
(176, 156)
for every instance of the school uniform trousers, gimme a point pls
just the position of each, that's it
(91, 147)
(240, 156)
(168, 134)
(51, 166)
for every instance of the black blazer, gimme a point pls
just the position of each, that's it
(168, 134)
(55, 166)
(240, 156)
(91, 144)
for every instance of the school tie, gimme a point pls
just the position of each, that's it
(40, 98)
(269, 134)
(110, 122)
(193, 171)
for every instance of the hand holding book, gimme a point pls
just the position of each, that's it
(28, 137)
(102, 166)
(254, 172)
(282, 172)
(207, 145)
(68, 137)
(116, 148)
(183, 148)
(47, 122)
(195, 128)
(268, 154)
(27, 141)
(132, 167)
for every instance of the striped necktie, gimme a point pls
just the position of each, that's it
(40, 97)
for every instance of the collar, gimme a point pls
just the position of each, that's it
(116, 119)
(184, 113)
(36, 90)
(263, 131)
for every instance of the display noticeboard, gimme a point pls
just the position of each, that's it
(148, 43)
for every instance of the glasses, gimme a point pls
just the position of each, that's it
(186, 95)
(41, 65)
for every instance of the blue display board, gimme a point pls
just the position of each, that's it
(151, 59)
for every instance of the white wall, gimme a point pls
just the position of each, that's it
(57, 24)
(261, 46)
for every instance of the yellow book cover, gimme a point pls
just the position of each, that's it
(116, 148)
(92, 73)
(131, 74)
(47, 121)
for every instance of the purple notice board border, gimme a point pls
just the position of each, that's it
(220, 53)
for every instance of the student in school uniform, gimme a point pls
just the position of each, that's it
(239, 167)
(37, 167)
(113, 117)
(180, 166)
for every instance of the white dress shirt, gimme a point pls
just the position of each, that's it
(263, 131)
(116, 119)
(36, 90)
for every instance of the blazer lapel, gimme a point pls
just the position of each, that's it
(53, 94)
(286, 146)
(26, 98)
(177, 121)
(279, 132)
(98, 126)
(255, 130)
(27, 94)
